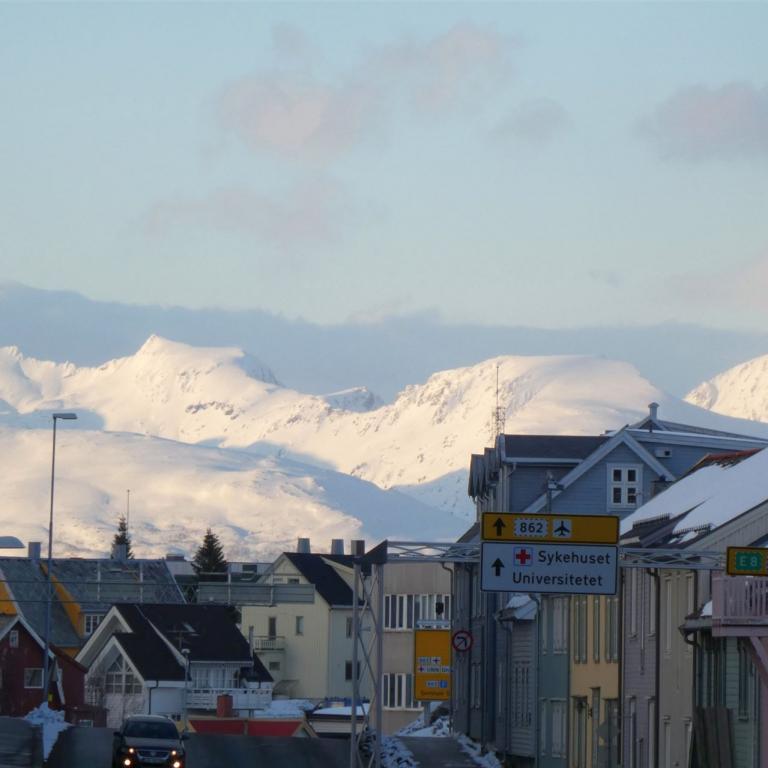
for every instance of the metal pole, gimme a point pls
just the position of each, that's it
(49, 595)
(353, 751)
(377, 688)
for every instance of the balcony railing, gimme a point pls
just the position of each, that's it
(266, 643)
(242, 698)
(739, 602)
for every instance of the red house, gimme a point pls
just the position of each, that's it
(21, 671)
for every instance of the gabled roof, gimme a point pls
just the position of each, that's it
(316, 569)
(719, 489)
(546, 447)
(660, 425)
(28, 586)
(622, 437)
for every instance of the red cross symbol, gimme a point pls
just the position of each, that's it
(522, 555)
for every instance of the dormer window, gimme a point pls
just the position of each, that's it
(624, 486)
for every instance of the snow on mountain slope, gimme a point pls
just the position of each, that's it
(741, 391)
(420, 443)
(258, 505)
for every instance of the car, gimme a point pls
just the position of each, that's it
(145, 740)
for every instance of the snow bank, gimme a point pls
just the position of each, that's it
(288, 708)
(394, 754)
(471, 748)
(51, 722)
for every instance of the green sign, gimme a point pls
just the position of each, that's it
(747, 561)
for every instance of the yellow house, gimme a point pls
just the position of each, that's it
(594, 672)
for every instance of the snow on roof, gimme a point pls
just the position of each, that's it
(713, 495)
(706, 609)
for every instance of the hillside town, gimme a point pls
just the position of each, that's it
(655, 656)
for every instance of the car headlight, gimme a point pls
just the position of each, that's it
(176, 764)
(127, 762)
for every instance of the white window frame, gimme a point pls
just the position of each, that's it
(652, 605)
(651, 732)
(13, 638)
(30, 676)
(560, 625)
(543, 727)
(559, 728)
(625, 486)
(90, 622)
(397, 691)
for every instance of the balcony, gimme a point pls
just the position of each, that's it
(267, 643)
(739, 606)
(242, 698)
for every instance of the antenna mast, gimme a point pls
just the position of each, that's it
(499, 413)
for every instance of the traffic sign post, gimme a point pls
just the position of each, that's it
(746, 561)
(567, 569)
(570, 529)
(462, 640)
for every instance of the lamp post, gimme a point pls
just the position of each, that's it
(49, 597)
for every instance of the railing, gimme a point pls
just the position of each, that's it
(264, 643)
(234, 592)
(242, 698)
(739, 601)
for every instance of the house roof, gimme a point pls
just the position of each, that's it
(574, 447)
(315, 568)
(98, 583)
(208, 631)
(28, 586)
(719, 489)
(661, 425)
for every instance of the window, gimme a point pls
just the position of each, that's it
(348, 670)
(632, 602)
(594, 713)
(744, 675)
(624, 485)
(611, 738)
(299, 625)
(475, 692)
(398, 690)
(558, 728)
(91, 621)
(350, 626)
(651, 733)
(579, 732)
(543, 728)
(521, 712)
(668, 617)
(652, 605)
(596, 628)
(120, 678)
(611, 628)
(546, 607)
(33, 677)
(580, 629)
(274, 666)
(13, 638)
(667, 744)
(403, 612)
(560, 625)
(272, 626)
(689, 595)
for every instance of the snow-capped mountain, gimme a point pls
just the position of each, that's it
(741, 391)
(419, 444)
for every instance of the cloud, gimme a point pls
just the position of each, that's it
(311, 214)
(608, 277)
(534, 121)
(296, 113)
(737, 288)
(701, 123)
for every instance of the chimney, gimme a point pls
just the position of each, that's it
(337, 546)
(358, 547)
(33, 551)
(303, 547)
(653, 411)
(120, 552)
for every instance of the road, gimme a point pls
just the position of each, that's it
(92, 748)
(439, 752)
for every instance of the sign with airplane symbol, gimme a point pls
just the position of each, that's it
(573, 529)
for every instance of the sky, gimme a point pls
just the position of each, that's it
(543, 164)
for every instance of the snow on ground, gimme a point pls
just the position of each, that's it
(394, 754)
(288, 708)
(471, 748)
(439, 728)
(51, 722)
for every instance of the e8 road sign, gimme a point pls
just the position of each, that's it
(747, 561)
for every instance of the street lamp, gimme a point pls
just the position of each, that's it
(49, 598)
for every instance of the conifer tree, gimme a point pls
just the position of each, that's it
(122, 537)
(209, 557)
